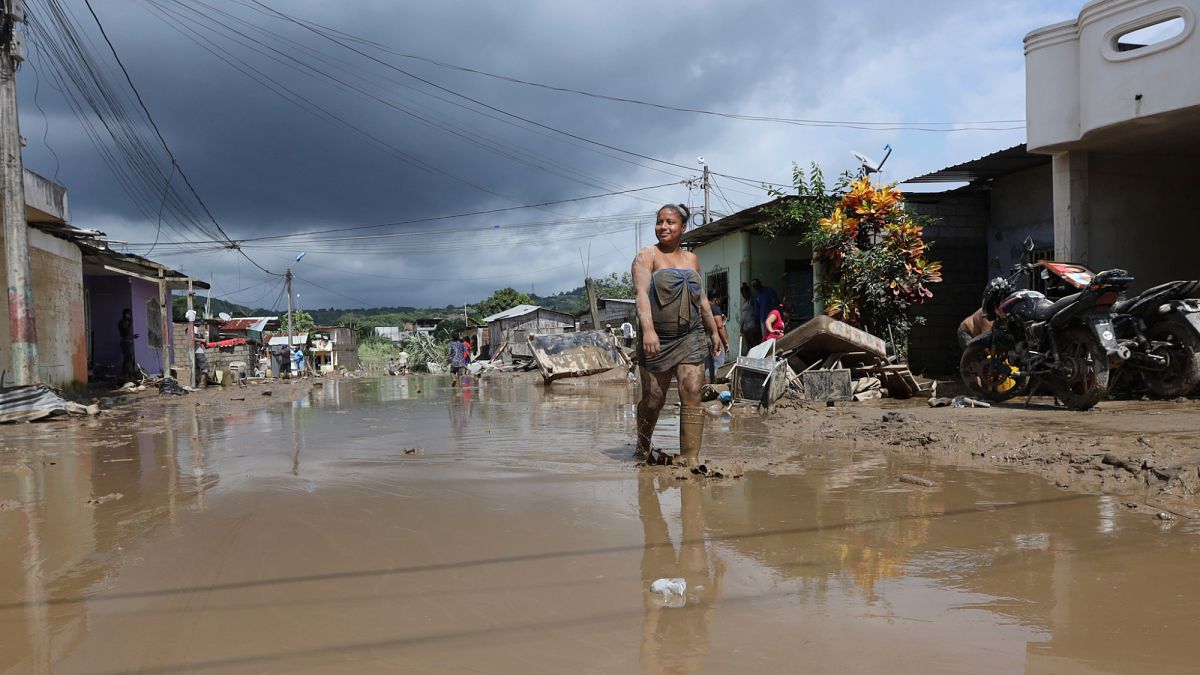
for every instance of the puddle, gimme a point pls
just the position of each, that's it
(520, 538)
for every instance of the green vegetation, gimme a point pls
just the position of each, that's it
(301, 321)
(374, 352)
(505, 298)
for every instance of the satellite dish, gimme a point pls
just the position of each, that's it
(225, 316)
(869, 165)
(191, 315)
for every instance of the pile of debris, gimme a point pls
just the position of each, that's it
(822, 360)
(29, 403)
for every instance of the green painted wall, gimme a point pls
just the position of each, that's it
(746, 256)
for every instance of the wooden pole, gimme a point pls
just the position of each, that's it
(164, 320)
(592, 303)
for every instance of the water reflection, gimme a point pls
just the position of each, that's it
(999, 569)
(675, 630)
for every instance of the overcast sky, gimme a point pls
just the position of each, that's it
(347, 139)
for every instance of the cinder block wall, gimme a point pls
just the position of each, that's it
(959, 241)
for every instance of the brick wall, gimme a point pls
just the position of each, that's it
(959, 241)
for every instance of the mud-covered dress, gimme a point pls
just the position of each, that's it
(675, 310)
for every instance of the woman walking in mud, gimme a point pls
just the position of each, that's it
(677, 332)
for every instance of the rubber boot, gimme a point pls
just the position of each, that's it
(691, 433)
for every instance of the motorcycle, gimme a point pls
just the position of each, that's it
(1067, 344)
(1159, 326)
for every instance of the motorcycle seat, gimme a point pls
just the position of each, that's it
(1046, 309)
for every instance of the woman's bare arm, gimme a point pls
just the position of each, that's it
(642, 271)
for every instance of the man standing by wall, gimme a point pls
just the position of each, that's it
(125, 329)
(765, 300)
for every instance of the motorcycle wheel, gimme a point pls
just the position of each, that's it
(1183, 368)
(985, 378)
(1088, 383)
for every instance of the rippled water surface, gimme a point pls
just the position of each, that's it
(402, 524)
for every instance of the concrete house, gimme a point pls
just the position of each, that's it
(1112, 98)
(114, 282)
(732, 251)
(334, 348)
(56, 264)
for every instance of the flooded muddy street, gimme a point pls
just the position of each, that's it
(402, 524)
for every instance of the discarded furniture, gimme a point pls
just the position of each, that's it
(826, 344)
(762, 380)
(831, 384)
(578, 354)
(823, 335)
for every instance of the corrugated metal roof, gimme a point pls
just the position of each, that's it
(257, 323)
(519, 310)
(999, 163)
(742, 220)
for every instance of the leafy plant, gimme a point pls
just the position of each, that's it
(301, 322)
(423, 349)
(875, 267)
(812, 200)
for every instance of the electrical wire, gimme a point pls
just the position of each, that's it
(174, 161)
(849, 124)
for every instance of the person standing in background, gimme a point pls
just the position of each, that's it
(765, 300)
(714, 361)
(751, 333)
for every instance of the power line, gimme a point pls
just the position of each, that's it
(174, 161)
(849, 124)
(464, 96)
(439, 218)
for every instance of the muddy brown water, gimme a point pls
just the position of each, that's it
(520, 538)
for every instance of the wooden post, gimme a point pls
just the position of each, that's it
(164, 321)
(592, 304)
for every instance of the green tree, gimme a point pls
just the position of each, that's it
(505, 298)
(301, 321)
(616, 287)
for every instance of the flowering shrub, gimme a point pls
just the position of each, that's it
(876, 266)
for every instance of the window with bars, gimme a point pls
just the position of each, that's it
(718, 280)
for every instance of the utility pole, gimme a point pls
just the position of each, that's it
(707, 218)
(288, 282)
(191, 331)
(21, 326)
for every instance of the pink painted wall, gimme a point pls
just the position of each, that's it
(108, 296)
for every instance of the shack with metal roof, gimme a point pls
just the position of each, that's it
(511, 328)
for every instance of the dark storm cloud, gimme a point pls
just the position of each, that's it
(266, 166)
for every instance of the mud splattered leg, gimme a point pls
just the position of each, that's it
(691, 415)
(654, 394)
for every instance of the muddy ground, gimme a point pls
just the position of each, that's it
(1148, 450)
(413, 524)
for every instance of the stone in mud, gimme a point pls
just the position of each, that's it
(917, 480)
(103, 499)
(894, 417)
